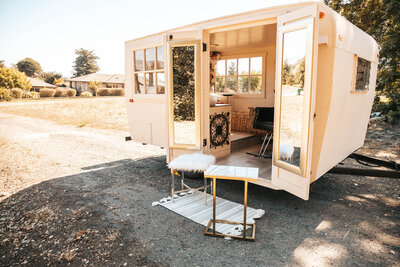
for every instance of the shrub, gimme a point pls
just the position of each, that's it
(111, 92)
(33, 95)
(12, 78)
(94, 87)
(71, 92)
(5, 94)
(45, 92)
(16, 93)
(60, 92)
(118, 91)
(86, 94)
(104, 92)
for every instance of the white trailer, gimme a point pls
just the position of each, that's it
(312, 66)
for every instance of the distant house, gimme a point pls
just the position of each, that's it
(38, 84)
(108, 81)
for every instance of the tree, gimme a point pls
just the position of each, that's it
(300, 72)
(184, 83)
(58, 82)
(255, 83)
(50, 77)
(85, 63)
(381, 20)
(231, 81)
(12, 78)
(287, 75)
(30, 67)
(94, 87)
(2, 63)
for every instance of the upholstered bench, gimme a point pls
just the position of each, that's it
(196, 162)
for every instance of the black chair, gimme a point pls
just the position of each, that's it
(264, 120)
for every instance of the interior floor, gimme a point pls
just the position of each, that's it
(239, 135)
(242, 159)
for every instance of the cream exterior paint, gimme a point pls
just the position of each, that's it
(337, 116)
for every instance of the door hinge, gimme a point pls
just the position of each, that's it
(170, 37)
(204, 47)
(204, 142)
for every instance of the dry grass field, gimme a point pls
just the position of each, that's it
(102, 113)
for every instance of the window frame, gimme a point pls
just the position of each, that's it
(263, 55)
(354, 81)
(155, 71)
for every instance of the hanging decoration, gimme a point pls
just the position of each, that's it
(219, 129)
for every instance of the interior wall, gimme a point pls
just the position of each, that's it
(242, 103)
(260, 39)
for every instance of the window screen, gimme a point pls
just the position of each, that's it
(362, 76)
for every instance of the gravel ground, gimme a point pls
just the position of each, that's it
(80, 196)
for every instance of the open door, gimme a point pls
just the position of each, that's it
(184, 91)
(294, 100)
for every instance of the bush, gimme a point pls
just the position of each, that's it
(16, 93)
(12, 78)
(5, 94)
(45, 92)
(389, 107)
(86, 94)
(104, 92)
(61, 92)
(71, 92)
(33, 95)
(94, 87)
(118, 92)
(111, 92)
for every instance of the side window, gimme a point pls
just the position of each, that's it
(149, 71)
(362, 75)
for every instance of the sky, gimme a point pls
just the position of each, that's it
(49, 31)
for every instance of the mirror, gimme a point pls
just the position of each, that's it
(183, 83)
(292, 96)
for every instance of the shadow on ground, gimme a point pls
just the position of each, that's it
(104, 216)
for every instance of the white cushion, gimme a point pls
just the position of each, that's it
(197, 162)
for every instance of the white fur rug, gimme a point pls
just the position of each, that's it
(192, 206)
(197, 162)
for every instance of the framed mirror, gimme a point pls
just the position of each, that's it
(184, 81)
(293, 105)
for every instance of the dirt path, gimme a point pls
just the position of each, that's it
(69, 148)
(82, 196)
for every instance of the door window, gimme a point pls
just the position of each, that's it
(184, 94)
(292, 96)
(184, 81)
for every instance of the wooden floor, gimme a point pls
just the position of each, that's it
(241, 159)
(239, 135)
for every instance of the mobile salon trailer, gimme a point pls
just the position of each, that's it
(310, 71)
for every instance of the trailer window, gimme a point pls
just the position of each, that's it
(149, 70)
(362, 75)
(243, 75)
